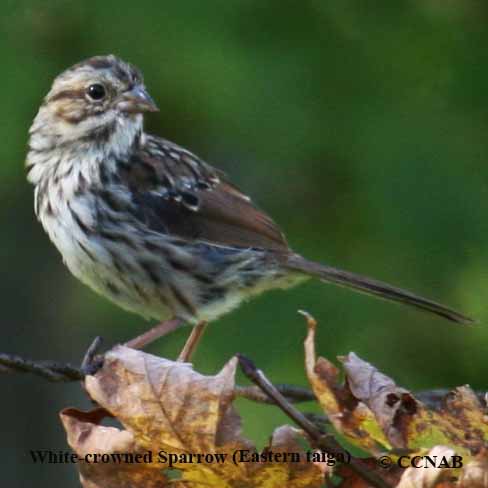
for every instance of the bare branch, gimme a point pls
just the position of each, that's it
(294, 394)
(318, 438)
(49, 370)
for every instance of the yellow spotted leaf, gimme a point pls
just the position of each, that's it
(185, 425)
(374, 413)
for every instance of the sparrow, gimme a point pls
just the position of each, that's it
(147, 223)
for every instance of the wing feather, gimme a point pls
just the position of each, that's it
(176, 193)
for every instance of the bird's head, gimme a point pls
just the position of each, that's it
(97, 101)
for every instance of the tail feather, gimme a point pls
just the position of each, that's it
(373, 287)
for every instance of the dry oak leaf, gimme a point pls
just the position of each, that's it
(371, 410)
(87, 438)
(166, 406)
(460, 423)
(350, 417)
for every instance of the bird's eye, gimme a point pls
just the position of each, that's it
(96, 91)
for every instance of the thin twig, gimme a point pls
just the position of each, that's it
(321, 421)
(297, 394)
(319, 439)
(49, 370)
(294, 394)
(59, 372)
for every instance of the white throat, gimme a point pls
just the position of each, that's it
(70, 148)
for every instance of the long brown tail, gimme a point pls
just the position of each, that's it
(372, 287)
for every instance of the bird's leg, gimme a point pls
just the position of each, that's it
(192, 342)
(151, 335)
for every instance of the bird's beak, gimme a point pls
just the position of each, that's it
(137, 100)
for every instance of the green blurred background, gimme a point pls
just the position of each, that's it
(361, 128)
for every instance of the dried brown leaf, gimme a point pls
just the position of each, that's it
(348, 415)
(392, 406)
(371, 410)
(167, 402)
(87, 438)
(167, 406)
(407, 422)
(301, 475)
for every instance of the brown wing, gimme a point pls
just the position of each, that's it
(178, 194)
(226, 216)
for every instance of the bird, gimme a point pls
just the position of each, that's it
(147, 223)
